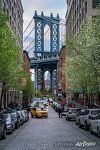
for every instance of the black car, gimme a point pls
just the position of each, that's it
(2, 127)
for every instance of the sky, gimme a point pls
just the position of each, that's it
(47, 6)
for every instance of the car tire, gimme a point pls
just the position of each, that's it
(68, 118)
(11, 130)
(98, 132)
(79, 124)
(36, 116)
(91, 130)
(17, 125)
(86, 126)
(4, 134)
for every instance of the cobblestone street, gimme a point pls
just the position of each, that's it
(49, 134)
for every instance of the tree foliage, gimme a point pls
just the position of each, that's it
(28, 89)
(10, 56)
(83, 58)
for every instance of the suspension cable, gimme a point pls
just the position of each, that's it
(28, 26)
(31, 49)
(49, 19)
(30, 43)
(29, 34)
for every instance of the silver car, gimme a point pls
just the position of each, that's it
(71, 113)
(95, 125)
(84, 118)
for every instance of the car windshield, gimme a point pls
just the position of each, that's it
(94, 112)
(39, 109)
(72, 110)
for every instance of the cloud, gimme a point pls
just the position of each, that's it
(48, 6)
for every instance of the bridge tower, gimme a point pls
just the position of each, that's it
(45, 60)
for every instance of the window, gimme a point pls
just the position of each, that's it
(95, 3)
(85, 7)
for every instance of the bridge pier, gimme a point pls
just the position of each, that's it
(43, 81)
(36, 74)
(51, 79)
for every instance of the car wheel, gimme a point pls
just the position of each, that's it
(98, 132)
(79, 124)
(11, 130)
(4, 134)
(17, 125)
(86, 127)
(90, 129)
(68, 118)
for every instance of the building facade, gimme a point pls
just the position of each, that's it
(61, 76)
(14, 11)
(78, 11)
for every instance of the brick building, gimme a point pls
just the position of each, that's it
(61, 74)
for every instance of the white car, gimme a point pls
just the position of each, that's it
(85, 118)
(71, 113)
(95, 125)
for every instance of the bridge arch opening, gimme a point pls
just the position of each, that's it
(47, 80)
(46, 38)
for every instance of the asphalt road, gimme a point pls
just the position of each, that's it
(50, 134)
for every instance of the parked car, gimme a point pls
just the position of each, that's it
(9, 122)
(24, 115)
(14, 116)
(27, 114)
(20, 117)
(71, 113)
(2, 127)
(85, 118)
(95, 125)
(54, 104)
(57, 107)
(16, 119)
(78, 115)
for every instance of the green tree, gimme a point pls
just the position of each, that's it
(83, 59)
(10, 56)
(28, 88)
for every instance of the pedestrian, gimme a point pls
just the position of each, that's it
(60, 111)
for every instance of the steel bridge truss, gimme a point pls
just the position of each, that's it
(46, 60)
(40, 22)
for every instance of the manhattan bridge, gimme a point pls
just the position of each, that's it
(43, 38)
